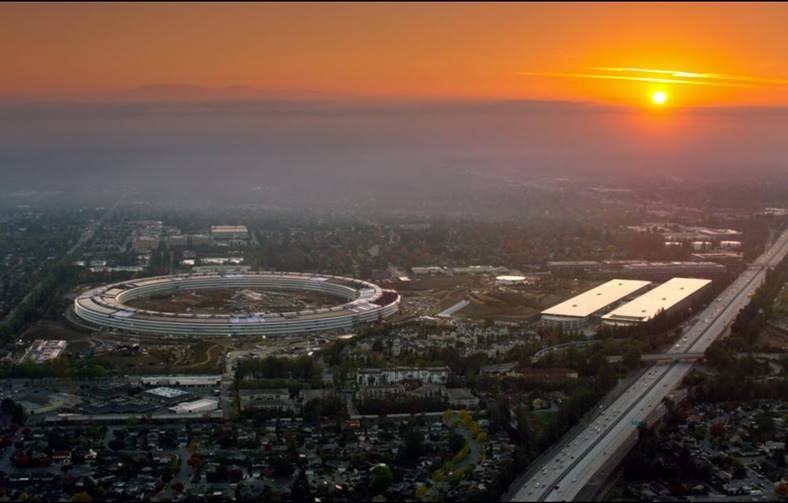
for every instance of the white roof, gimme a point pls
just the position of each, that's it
(183, 380)
(201, 405)
(591, 301)
(166, 392)
(228, 228)
(661, 298)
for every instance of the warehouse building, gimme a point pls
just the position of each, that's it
(574, 313)
(197, 406)
(669, 296)
(661, 271)
(229, 232)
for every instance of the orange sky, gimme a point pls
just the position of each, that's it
(468, 50)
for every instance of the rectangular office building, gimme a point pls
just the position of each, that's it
(674, 294)
(572, 314)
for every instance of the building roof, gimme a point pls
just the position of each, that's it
(182, 380)
(166, 392)
(661, 298)
(510, 278)
(591, 301)
(229, 228)
(202, 404)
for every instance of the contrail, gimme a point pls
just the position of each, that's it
(683, 74)
(640, 79)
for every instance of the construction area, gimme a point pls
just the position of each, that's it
(235, 300)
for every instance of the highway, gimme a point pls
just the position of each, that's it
(596, 447)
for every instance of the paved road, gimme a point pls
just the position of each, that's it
(473, 457)
(449, 312)
(600, 444)
(558, 347)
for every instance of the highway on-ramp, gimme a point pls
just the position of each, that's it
(566, 472)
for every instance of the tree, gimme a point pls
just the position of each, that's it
(631, 357)
(765, 426)
(717, 428)
(81, 497)
(525, 431)
(456, 442)
(414, 441)
(380, 478)
(300, 489)
(14, 410)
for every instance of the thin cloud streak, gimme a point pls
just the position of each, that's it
(639, 79)
(683, 74)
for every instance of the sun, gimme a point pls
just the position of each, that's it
(659, 97)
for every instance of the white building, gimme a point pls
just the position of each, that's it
(197, 406)
(229, 232)
(184, 381)
(178, 240)
(433, 269)
(42, 350)
(478, 269)
(383, 377)
(201, 240)
(266, 399)
(575, 312)
(461, 398)
(143, 244)
(671, 295)
(511, 280)
(701, 245)
(364, 303)
(167, 393)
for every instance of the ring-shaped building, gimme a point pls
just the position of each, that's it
(365, 302)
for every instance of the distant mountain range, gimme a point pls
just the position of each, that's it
(191, 92)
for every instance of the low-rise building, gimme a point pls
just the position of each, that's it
(573, 313)
(461, 398)
(669, 296)
(142, 244)
(267, 399)
(196, 406)
(229, 232)
(664, 270)
(429, 270)
(185, 381)
(385, 376)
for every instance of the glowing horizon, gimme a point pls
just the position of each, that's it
(715, 54)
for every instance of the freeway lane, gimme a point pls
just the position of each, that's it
(564, 475)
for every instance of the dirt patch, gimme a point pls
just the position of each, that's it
(204, 354)
(438, 283)
(148, 357)
(54, 330)
(235, 300)
(479, 311)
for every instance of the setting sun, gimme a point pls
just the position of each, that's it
(659, 98)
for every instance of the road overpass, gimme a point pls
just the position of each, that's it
(662, 357)
(574, 468)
